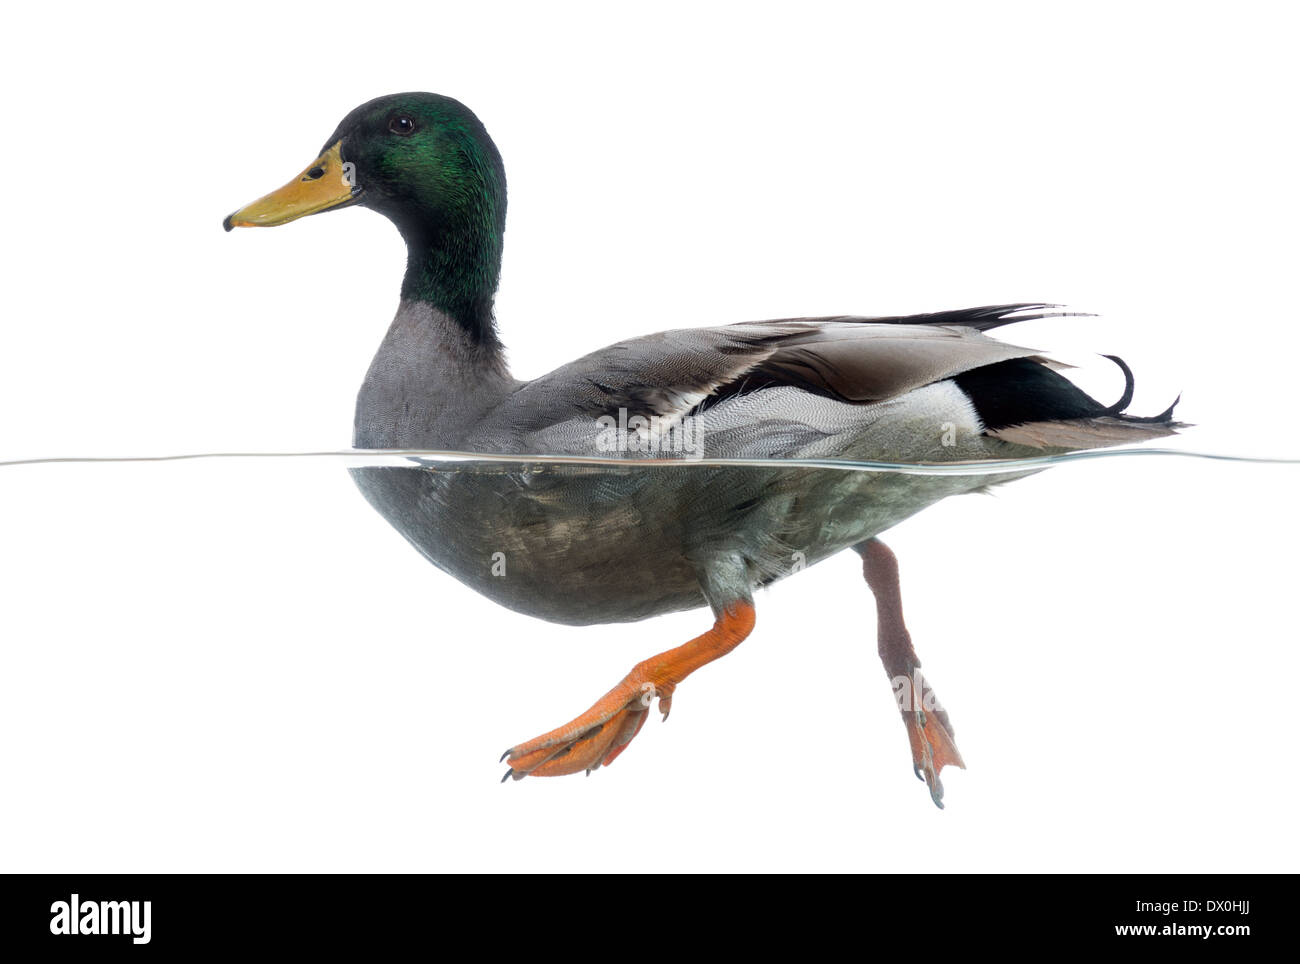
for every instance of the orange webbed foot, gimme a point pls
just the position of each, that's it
(597, 737)
(928, 732)
(594, 739)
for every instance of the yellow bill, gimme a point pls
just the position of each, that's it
(326, 183)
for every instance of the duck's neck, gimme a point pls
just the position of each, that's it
(453, 264)
(432, 380)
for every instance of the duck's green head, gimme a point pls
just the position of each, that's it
(427, 164)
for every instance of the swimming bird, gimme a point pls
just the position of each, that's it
(594, 544)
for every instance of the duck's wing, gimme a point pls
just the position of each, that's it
(853, 359)
(856, 360)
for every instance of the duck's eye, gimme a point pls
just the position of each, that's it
(401, 124)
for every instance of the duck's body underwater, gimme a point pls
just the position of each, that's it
(583, 545)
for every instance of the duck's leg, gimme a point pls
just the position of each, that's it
(928, 730)
(596, 737)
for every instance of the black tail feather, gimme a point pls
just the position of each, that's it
(1118, 407)
(988, 317)
(1021, 390)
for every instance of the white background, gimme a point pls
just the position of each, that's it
(239, 666)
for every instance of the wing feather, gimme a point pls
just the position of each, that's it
(855, 359)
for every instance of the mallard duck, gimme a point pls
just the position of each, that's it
(585, 545)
